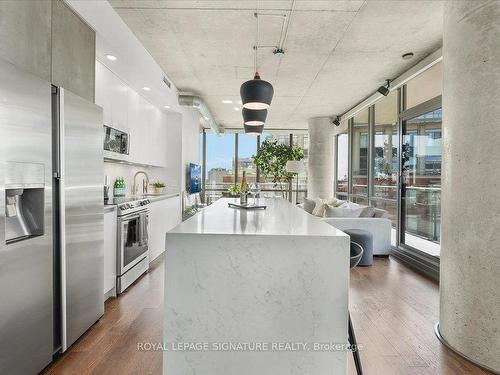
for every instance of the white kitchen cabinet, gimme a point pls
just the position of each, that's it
(135, 109)
(164, 215)
(103, 91)
(110, 221)
(126, 110)
(111, 95)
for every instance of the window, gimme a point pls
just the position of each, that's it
(422, 180)
(300, 192)
(247, 147)
(219, 165)
(342, 172)
(268, 187)
(390, 158)
(223, 167)
(384, 193)
(359, 158)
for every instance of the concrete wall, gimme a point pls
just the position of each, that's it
(470, 240)
(320, 164)
(47, 39)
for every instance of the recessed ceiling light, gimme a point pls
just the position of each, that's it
(408, 56)
(227, 101)
(236, 109)
(111, 57)
(145, 88)
(166, 106)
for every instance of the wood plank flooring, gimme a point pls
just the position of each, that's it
(393, 310)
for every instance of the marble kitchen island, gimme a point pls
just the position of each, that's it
(255, 292)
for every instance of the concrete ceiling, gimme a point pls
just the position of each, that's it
(337, 52)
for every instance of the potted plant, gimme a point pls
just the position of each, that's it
(159, 187)
(271, 160)
(234, 190)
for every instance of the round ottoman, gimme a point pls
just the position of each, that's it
(365, 239)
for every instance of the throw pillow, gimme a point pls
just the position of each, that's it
(319, 209)
(331, 211)
(367, 212)
(309, 205)
(338, 203)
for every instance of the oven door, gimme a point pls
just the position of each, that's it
(133, 240)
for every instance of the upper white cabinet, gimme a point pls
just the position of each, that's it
(111, 94)
(126, 110)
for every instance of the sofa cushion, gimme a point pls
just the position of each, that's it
(379, 213)
(331, 211)
(309, 205)
(368, 212)
(337, 203)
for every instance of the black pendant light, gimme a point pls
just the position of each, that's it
(256, 93)
(254, 117)
(253, 130)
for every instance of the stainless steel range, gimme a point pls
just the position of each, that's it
(132, 245)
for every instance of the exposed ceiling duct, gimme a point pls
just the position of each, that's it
(197, 103)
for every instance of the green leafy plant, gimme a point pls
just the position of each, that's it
(158, 184)
(271, 160)
(234, 189)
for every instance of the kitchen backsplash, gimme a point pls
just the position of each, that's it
(114, 170)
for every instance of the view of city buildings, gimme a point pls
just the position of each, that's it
(224, 168)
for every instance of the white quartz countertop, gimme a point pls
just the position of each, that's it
(280, 218)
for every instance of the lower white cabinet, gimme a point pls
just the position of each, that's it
(164, 215)
(109, 251)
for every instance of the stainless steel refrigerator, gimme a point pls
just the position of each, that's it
(51, 220)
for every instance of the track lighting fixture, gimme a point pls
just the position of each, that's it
(385, 90)
(336, 121)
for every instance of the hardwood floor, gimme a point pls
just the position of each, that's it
(393, 310)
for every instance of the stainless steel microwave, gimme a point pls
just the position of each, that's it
(116, 140)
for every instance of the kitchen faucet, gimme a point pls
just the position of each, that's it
(145, 184)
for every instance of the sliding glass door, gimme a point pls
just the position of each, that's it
(421, 181)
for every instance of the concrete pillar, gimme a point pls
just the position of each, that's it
(320, 167)
(469, 319)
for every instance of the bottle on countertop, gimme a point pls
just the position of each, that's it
(244, 190)
(119, 187)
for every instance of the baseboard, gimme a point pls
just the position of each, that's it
(425, 264)
(109, 294)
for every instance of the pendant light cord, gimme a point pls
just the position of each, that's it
(256, 47)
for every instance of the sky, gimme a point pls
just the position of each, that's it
(220, 150)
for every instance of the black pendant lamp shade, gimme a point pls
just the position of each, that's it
(253, 130)
(256, 93)
(254, 117)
